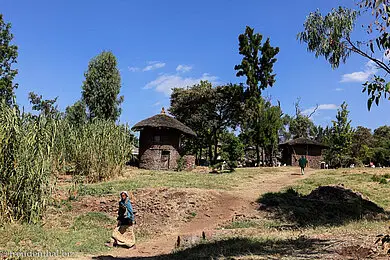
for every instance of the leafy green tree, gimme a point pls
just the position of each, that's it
(301, 126)
(362, 142)
(76, 114)
(8, 55)
(320, 133)
(46, 107)
(257, 66)
(340, 139)
(192, 107)
(208, 111)
(381, 146)
(232, 149)
(271, 124)
(263, 132)
(257, 62)
(228, 107)
(330, 36)
(102, 86)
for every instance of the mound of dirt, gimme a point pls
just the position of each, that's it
(156, 210)
(326, 205)
(340, 195)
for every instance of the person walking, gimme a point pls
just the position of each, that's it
(123, 234)
(302, 163)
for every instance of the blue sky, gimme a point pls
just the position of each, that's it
(163, 44)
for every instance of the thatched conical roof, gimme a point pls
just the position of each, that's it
(163, 121)
(303, 141)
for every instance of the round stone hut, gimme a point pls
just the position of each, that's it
(160, 141)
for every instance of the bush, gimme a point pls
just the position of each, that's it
(180, 164)
(376, 178)
(232, 149)
(380, 179)
(383, 180)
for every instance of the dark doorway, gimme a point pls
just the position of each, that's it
(165, 156)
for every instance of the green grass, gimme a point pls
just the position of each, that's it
(155, 179)
(241, 224)
(87, 234)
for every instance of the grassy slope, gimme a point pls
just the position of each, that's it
(138, 179)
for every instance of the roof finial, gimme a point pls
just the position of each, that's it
(163, 111)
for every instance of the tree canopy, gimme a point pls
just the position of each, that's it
(76, 114)
(330, 36)
(8, 56)
(339, 139)
(209, 111)
(101, 87)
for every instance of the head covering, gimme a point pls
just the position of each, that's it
(125, 192)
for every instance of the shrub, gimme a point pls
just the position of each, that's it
(180, 164)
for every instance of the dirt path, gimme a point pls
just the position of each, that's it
(227, 205)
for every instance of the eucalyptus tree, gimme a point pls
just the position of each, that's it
(331, 36)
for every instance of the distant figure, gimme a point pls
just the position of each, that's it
(123, 234)
(302, 163)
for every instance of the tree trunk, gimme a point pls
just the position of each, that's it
(210, 153)
(257, 155)
(262, 156)
(200, 154)
(215, 148)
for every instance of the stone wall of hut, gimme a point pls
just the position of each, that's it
(313, 161)
(313, 155)
(155, 145)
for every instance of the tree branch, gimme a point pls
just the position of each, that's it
(362, 53)
(315, 109)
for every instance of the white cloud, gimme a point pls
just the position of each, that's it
(183, 68)
(339, 89)
(133, 69)
(154, 65)
(166, 82)
(320, 107)
(157, 104)
(360, 76)
(327, 107)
